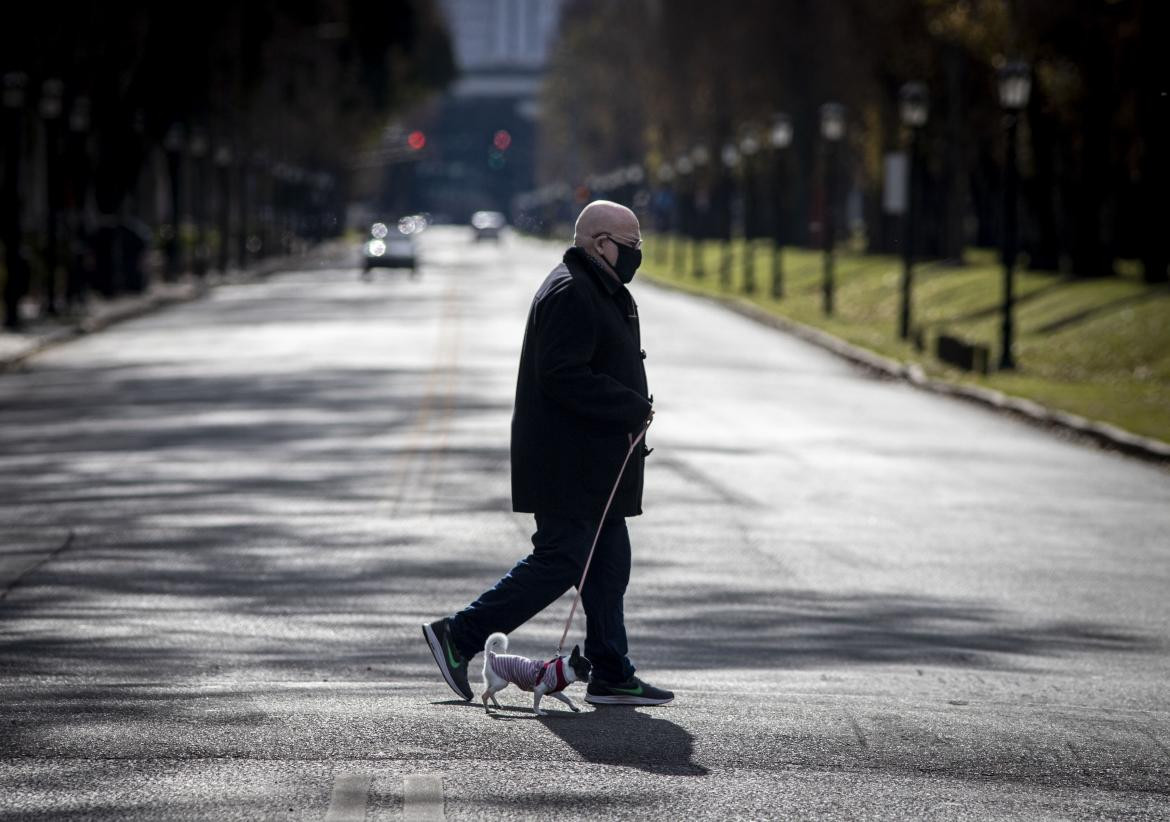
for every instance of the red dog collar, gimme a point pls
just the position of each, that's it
(558, 665)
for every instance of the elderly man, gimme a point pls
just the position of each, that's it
(581, 399)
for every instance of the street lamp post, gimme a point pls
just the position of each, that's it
(173, 143)
(700, 157)
(223, 161)
(1015, 86)
(198, 150)
(729, 155)
(51, 108)
(243, 203)
(914, 110)
(11, 131)
(832, 130)
(749, 146)
(77, 160)
(668, 201)
(780, 137)
(686, 209)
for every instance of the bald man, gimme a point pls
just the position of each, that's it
(581, 400)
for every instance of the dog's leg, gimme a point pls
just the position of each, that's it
(536, 697)
(501, 684)
(564, 698)
(486, 696)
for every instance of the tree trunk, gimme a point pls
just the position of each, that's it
(1092, 253)
(1042, 240)
(952, 234)
(1154, 126)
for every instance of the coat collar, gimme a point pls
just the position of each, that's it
(578, 258)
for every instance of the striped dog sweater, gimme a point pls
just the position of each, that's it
(527, 674)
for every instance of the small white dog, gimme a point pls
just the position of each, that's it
(542, 678)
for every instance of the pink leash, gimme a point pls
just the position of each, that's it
(601, 524)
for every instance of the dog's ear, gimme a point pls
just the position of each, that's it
(576, 652)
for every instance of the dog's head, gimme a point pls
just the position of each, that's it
(579, 665)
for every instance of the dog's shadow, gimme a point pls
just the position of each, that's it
(629, 737)
(611, 735)
(511, 713)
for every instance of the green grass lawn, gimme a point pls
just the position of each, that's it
(1097, 348)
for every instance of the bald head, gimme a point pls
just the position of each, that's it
(602, 221)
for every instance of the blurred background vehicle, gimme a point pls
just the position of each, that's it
(487, 225)
(392, 247)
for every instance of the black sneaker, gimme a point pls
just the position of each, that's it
(631, 692)
(451, 663)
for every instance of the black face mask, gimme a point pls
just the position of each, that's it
(628, 260)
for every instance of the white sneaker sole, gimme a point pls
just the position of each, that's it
(437, 653)
(625, 700)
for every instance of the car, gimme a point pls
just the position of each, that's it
(487, 225)
(389, 248)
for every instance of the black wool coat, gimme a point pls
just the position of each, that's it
(581, 396)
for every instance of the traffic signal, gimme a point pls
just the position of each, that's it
(502, 140)
(416, 140)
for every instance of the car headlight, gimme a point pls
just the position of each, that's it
(376, 248)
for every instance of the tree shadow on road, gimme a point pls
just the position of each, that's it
(795, 628)
(628, 737)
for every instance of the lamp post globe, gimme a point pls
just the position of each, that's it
(780, 135)
(729, 154)
(15, 83)
(832, 121)
(52, 90)
(1015, 85)
(913, 105)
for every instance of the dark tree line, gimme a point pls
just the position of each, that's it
(131, 123)
(646, 80)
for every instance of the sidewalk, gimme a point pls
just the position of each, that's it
(40, 333)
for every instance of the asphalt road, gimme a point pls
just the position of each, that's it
(223, 524)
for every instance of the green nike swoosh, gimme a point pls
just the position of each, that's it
(631, 691)
(450, 657)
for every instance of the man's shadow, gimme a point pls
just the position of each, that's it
(629, 737)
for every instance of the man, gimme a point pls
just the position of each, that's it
(581, 400)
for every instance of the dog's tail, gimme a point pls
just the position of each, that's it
(496, 644)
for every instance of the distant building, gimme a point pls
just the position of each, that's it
(481, 137)
(493, 36)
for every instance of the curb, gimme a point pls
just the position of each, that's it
(1100, 433)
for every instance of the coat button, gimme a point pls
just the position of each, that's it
(643, 353)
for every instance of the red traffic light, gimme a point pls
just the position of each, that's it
(502, 140)
(416, 140)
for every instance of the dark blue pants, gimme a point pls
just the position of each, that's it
(560, 548)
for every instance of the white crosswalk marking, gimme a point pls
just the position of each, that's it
(422, 798)
(348, 802)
